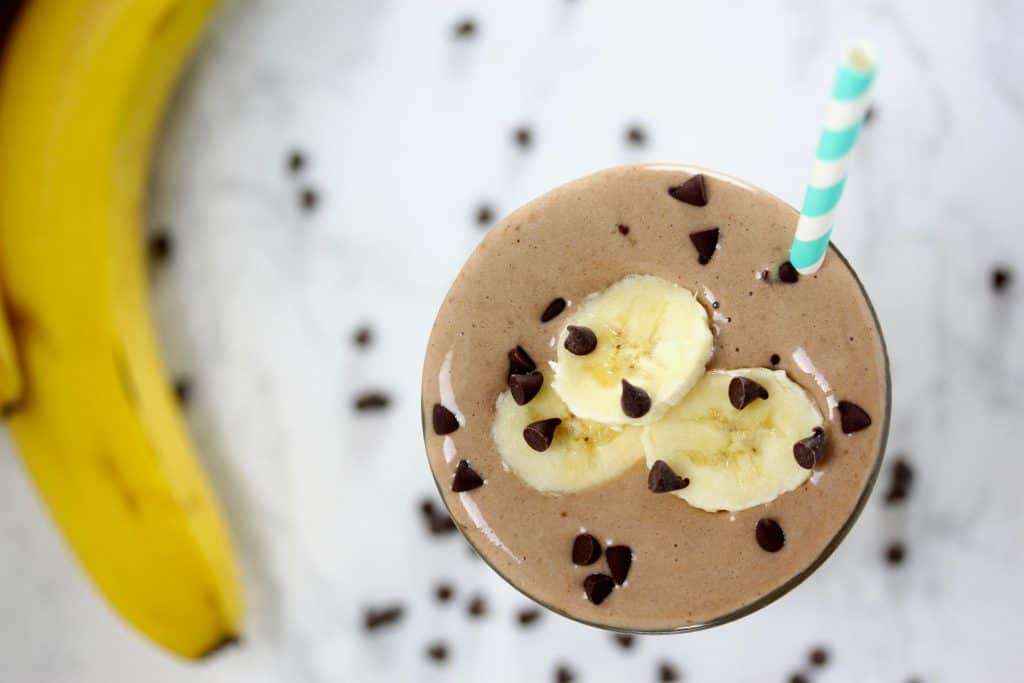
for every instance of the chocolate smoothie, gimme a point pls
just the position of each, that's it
(659, 562)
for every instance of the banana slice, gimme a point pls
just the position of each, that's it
(735, 458)
(579, 455)
(652, 343)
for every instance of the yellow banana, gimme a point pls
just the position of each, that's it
(82, 91)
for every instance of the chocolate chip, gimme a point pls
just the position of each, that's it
(705, 242)
(580, 340)
(625, 640)
(598, 587)
(564, 674)
(540, 434)
(636, 136)
(523, 137)
(376, 617)
(743, 391)
(466, 478)
(691, 192)
(635, 401)
(895, 553)
(1002, 278)
(798, 678)
(809, 452)
(519, 362)
(620, 559)
(444, 592)
(160, 247)
(296, 161)
(308, 199)
(623, 229)
(372, 401)
(444, 420)
(465, 28)
(553, 310)
(585, 550)
(775, 359)
(769, 535)
(524, 387)
(183, 390)
(852, 417)
(438, 521)
(437, 652)
(818, 657)
(662, 478)
(363, 336)
(477, 607)
(902, 479)
(870, 115)
(667, 673)
(528, 616)
(484, 215)
(788, 273)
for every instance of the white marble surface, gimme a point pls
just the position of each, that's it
(407, 130)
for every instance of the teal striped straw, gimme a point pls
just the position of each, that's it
(844, 117)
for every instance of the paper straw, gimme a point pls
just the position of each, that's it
(844, 117)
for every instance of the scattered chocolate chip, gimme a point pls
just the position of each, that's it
(528, 616)
(809, 452)
(477, 607)
(895, 553)
(775, 359)
(437, 652)
(743, 391)
(465, 28)
(466, 478)
(691, 192)
(438, 521)
(705, 242)
(818, 657)
(635, 401)
(296, 161)
(580, 340)
(623, 229)
(598, 587)
(308, 199)
(585, 550)
(620, 559)
(663, 479)
(519, 362)
(444, 420)
(625, 640)
(852, 417)
(444, 592)
(870, 115)
(636, 136)
(363, 336)
(376, 617)
(788, 273)
(523, 137)
(540, 434)
(798, 678)
(372, 401)
(524, 387)
(766, 276)
(564, 674)
(160, 247)
(553, 310)
(183, 390)
(769, 535)
(902, 479)
(667, 673)
(484, 215)
(1001, 279)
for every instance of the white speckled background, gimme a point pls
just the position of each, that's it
(407, 130)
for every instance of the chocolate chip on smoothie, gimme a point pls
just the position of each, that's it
(852, 417)
(519, 362)
(581, 340)
(564, 674)
(769, 535)
(553, 310)
(743, 391)
(623, 229)
(775, 359)
(1001, 279)
(895, 553)
(377, 617)
(437, 652)
(705, 242)
(663, 479)
(693, 191)
(525, 386)
(477, 607)
(484, 215)
(585, 550)
(667, 673)
(444, 420)
(466, 478)
(465, 28)
(809, 452)
(372, 401)
(598, 587)
(625, 640)
(636, 136)
(523, 137)
(788, 273)
(635, 401)
(528, 616)
(818, 656)
(620, 559)
(540, 434)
